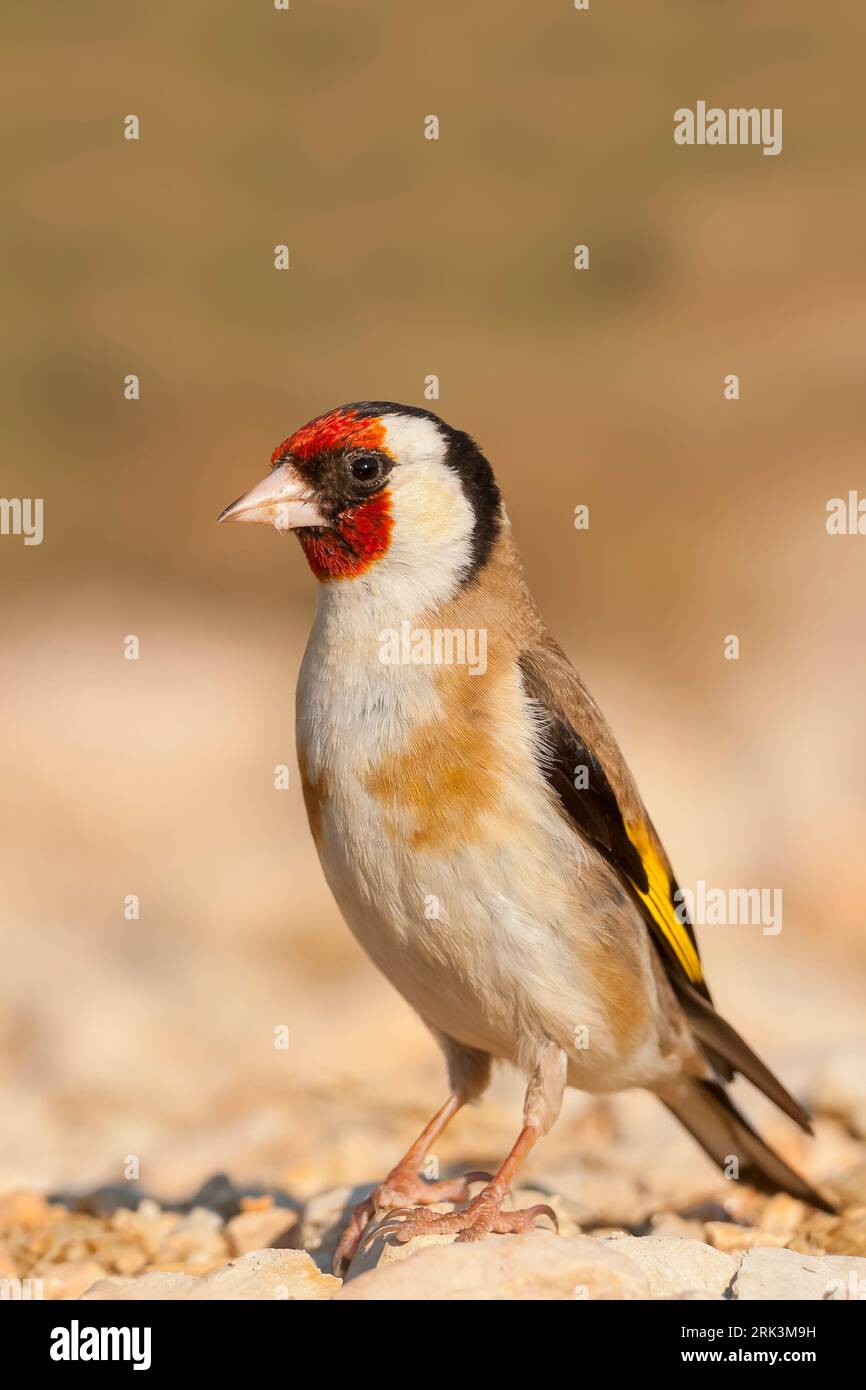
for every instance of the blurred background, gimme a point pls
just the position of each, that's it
(155, 1037)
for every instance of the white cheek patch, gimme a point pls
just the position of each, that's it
(431, 543)
(414, 439)
(430, 547)
(430, 510)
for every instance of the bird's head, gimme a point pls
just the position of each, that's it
(385, 494)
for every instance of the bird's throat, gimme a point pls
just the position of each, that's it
(360, 536)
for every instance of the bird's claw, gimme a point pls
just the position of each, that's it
(483, 1216)
(397, 1218)
(362, 1215)
(514, 1222)
(397, 1188)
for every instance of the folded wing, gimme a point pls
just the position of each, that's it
(597, 793)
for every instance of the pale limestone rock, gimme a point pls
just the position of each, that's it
(269, 1274)
(259, 1229)
(69, 1279)
(23, 1210)
(693, 1296)
(147, 1225)
(783, 1216)
(670, 1223)
(788, 1275)
(727, 1235)
(272, 1275)
(675, 1265)
(538, 1266)
(154, 1285)
(197, 1239)
(323, 1219)
(835, 1236)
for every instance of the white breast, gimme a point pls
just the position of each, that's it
(484, 938)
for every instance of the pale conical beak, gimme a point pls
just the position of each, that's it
(282, 499)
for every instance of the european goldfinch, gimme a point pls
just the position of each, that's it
(475, 819)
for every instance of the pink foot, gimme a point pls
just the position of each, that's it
(481, 1217)
(402, 1185)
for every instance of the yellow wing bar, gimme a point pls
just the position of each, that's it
(659, 903)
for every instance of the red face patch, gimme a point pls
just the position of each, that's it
(362, 530)
(328, 433)
(360, 538)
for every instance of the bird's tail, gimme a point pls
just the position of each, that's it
(711, 1117)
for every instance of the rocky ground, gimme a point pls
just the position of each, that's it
(638, 1218)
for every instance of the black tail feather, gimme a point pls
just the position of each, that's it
(711, 1117)
(729, 1053)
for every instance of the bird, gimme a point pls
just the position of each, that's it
(477, 823)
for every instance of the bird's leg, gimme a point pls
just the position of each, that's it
(405, 1184)
(484, 1213)
(479, 1217)
(405, 1180)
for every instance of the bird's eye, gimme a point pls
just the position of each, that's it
(365, 468)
